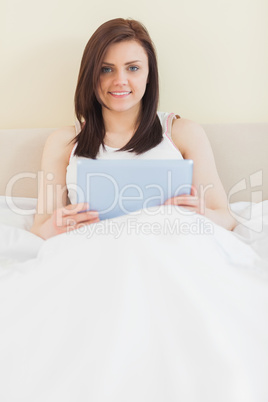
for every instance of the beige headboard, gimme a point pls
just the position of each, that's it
(241, 154)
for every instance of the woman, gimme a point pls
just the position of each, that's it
(155, 317)
(116, 106)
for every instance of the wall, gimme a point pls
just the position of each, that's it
(212, 54)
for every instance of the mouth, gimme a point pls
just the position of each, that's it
(120, 94)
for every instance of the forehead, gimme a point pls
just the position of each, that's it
(126, 50)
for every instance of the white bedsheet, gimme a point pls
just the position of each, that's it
(166, 307)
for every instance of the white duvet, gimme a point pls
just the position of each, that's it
(152, 307)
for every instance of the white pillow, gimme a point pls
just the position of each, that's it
(17, 211)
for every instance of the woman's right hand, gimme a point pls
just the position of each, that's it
(65, 219)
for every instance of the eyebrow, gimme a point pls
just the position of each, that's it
(126, 64)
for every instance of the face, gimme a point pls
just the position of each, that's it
(123, 76)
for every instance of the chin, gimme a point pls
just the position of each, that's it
(121, 109)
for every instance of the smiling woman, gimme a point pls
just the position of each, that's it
(119, 64)
(116, 102)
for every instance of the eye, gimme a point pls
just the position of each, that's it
(106, 70)
(134, 68)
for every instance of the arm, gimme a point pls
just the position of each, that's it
(208, 196)
(53, 215)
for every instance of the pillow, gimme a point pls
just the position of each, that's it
(17, 211)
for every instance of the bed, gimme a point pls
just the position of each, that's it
(158, 306)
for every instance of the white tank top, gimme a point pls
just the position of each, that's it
(165, 150)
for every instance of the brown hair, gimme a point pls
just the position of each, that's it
(88, 106)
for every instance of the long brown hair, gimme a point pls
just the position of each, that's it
(88, 106)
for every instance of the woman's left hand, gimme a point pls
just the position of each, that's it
(195, 204)
(191, 202)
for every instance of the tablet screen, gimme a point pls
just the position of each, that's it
(118, 187)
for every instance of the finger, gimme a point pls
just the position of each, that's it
(184, 206)
(188, 202)
(73, 209)
(184, 199)
(71, 224)
(81, 225)
(83, 217)
(193, 191)
(59, 219)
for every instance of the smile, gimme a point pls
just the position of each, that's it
(120, 94)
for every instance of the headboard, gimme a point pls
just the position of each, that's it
(240, 150)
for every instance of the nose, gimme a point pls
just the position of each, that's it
(120, 77)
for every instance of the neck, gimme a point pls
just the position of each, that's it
(119, 126)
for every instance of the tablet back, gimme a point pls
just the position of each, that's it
(121, 186)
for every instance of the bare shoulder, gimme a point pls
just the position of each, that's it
(186, 133)
(60, 142)
(187, 128)
(62, 135)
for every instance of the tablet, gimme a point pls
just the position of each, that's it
(122, 186)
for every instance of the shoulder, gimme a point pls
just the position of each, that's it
(188, 128)
(186, 134)
(60, 142)
(62, 135)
